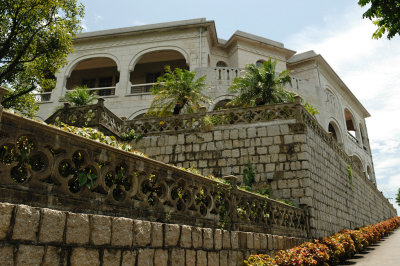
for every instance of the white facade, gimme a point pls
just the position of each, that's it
(121, 64)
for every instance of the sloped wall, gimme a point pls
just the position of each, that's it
(296, 161)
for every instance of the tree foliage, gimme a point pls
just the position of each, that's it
(385, 14)
(261, 85)
(79, 96)
(398, 197)
(26, 104)
(178, 91)
(35, 38)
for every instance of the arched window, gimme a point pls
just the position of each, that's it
(350, 125)
(332, 130)
(98, 74)
(259, 63)
(335, 131)
(221, 64)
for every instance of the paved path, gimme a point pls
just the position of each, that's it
(384, 253)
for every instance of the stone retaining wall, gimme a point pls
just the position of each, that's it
(228, 150)
(40, 236)
(295, 160)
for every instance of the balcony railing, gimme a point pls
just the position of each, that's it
(103, 91)
(227, 73)
(354, 139)
(141, 88)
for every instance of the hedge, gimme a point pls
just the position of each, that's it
(330, 250)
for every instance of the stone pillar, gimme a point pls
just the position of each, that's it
(61, 85)
(123, 86)
(297, 101)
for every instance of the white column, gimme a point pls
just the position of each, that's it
(123, 86)
(61, 84)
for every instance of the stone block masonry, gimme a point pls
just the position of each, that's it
(296, 160)
(41, 236)
(269, 147)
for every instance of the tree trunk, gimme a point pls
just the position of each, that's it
(179, 106)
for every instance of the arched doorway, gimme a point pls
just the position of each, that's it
(221, 105)
(99, 74)
(151, 65)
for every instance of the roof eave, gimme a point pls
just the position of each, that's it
(145, 28)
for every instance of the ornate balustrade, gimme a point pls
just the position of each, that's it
(99, 116)
(41, 165)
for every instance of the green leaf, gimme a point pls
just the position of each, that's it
(82, 179)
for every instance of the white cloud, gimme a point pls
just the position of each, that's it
(84, 25)
(370, 68)
(98, 18)
(138, 23)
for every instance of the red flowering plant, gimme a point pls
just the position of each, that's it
(360, 240)
(371, 232)
(306, 254)
(332, 250)
(341, 247)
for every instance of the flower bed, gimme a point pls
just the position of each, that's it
(330, 250)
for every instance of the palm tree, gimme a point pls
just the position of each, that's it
(80, 96)
(177, 91)
(261, 85)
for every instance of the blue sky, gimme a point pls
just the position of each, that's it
(335, 29)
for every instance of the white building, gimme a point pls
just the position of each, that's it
(121, 65)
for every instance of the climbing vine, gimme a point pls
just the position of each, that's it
(350, 174)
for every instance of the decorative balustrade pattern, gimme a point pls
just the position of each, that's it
(97, 115)
(44, 162)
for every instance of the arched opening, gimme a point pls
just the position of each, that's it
(221, 105)
(259, 63)
(151, 66)
(221, 64)
(335, 131)
(350, 125)
(331, 129)
(99, 74)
